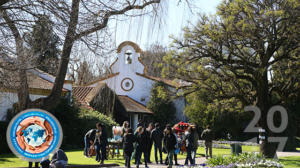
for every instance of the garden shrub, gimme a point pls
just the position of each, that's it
(243, 160)
(91, 117)
(4, 146)
(77, 121)
(161, 104)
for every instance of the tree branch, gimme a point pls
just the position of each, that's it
(113, 13)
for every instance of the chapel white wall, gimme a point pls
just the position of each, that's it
(142, 86)
(7, 99)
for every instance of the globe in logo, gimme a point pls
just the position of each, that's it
(34, 134)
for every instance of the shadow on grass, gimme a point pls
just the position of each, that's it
(4, 160)
(201, 155)
(290, 162)
(6, 157)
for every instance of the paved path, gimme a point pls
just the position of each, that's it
(287, 154)
(199, 160)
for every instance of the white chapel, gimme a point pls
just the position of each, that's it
(132, 85)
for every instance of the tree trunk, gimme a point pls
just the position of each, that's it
(53, 99)
(23, 89)
(263, 102)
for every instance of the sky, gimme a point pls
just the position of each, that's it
(176, 16)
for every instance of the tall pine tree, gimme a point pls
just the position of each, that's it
(44, 45)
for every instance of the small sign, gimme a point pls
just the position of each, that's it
(33, 134)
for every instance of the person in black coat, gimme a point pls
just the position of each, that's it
(100, 143)
(128, 140)
(156, 138)
(150, 142)
(170, 143)
(142, 145)
(189, 141)
(88, 140)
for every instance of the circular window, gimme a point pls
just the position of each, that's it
(127, 84)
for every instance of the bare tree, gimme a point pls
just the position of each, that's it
(75, 20)
(153, 58)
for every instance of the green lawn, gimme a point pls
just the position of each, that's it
(290, 162)
(76, 157)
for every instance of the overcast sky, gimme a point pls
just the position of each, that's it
(141, 31)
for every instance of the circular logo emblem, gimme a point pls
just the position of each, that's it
(127, 84)
(33, 134)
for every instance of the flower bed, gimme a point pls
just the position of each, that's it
(231, 142)
(245, 160)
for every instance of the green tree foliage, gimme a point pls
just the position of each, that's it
(77, 121)
(160, 104)
(44, 44)
(232, 55)
(224, 116)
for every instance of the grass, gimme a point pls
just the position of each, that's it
(76, 157)
(290, 162)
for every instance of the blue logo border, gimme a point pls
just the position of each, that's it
(12, 129)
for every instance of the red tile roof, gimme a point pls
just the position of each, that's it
(36, 82)
(133, 106)
(166, 81)
(84, 94)
(80, 92)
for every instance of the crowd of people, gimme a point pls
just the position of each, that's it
(140, 141)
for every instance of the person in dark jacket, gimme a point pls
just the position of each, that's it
(189, 141)
(207, 135)
(100, 143)
(45, 162)
(195, 140)
(150, 142)
(128, 140)
(156, 137)
(142, 145)
(88, 140)
(176, 146)
(170, 143)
